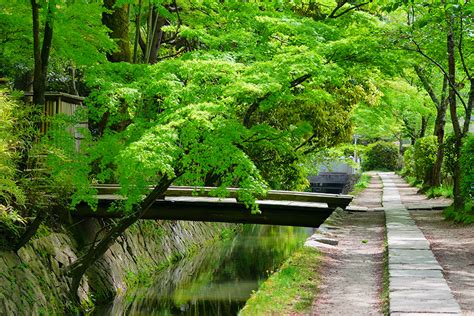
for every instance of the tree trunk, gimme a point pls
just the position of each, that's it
(118, 22)
(439, 123)
(31, 229)
(78, 268)
(157, 38)
(41, 56)
(424, 125)
(458, 198)
(137, 31)
(73, 80)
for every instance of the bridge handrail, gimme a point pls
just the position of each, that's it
(333, 200)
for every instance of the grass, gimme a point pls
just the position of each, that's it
(291, 289)
(443, 190)
(465, 216)
(361, 184)
(414, 182)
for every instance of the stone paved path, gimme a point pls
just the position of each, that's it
(417, 285)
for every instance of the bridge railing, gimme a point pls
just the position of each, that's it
(332, 200)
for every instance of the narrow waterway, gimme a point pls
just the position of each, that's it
(218, 279)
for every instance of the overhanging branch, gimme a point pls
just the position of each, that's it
(333, 14)
(451, 84)
(254, 106)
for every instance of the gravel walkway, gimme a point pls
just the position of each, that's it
(351, 272)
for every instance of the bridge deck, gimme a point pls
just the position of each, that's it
(306, 209)
(332, 200)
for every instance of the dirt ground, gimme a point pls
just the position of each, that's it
(453, 247)
(351, 272)
(371, 197)
(411, 198)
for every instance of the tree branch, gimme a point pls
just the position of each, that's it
(172, 55)
(444, 90)
(254, 106)
(306, 141)
(461, 55)
(427, 85)
(299, 80)
(451, 84)
(333, 15)
(338, 6)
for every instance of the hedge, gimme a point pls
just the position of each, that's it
(467, 167)
(424, 156)
(409, 162)
(381, 156)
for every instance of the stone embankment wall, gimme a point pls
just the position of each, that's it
(32, 282)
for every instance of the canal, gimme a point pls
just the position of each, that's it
(218, 279)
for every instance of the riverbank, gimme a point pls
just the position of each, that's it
(342, 260)
(291, 289)
(32, 280)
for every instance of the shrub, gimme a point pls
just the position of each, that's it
(409, 162)
(465, 215)
(10, 192)
(424, 156)
(381, 156)
(467, 167)
(449, 155)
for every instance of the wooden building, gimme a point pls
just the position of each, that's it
(61, 103)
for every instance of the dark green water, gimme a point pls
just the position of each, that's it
(218, 279)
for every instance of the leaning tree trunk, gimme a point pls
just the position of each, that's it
(79, 267)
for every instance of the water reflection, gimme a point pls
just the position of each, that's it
(218, 279)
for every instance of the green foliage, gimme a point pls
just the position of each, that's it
(397, 112)
(381, 156)
(414, 182)
(14, 134)
(443, 190)
(424, 156)
(465, 216)
(467, 168)
(409, 162)
(10, 146)
(10, 223)
(191, 117)
(79, 38)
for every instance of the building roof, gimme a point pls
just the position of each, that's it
(54, 94)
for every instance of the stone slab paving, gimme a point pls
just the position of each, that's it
(417, 286)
